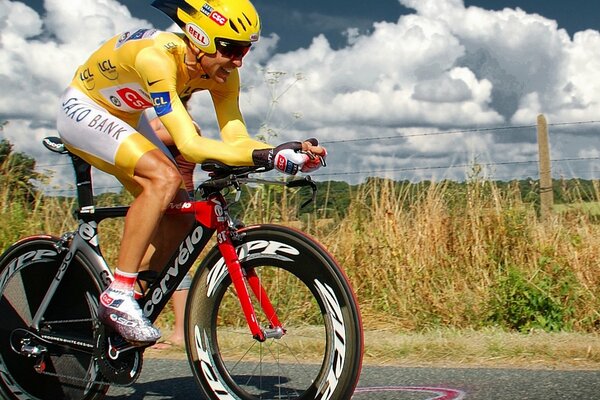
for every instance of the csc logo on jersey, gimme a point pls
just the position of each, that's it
(133, 99)
(162, 103)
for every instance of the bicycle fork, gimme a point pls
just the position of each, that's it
(239, 278)
(218, 218)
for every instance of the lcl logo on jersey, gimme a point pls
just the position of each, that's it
(108, 70)
(199, 37)
(162, 103)
(87, 78)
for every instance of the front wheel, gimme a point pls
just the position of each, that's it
(319, 355)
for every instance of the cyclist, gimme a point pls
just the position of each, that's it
(147, 68)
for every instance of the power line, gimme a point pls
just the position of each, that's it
(423, 134)
(491, 164)
(453, 132)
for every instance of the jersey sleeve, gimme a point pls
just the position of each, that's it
(159, 71)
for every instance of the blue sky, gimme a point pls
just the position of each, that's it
(297, 22)
(408, 89)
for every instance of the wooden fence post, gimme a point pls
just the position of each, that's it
(546, 193)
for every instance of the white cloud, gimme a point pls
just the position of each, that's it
(446, 66)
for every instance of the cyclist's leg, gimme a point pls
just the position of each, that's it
(160, 184)
(172, 229)
(113, 145)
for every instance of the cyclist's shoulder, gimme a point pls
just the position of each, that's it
(136, 40)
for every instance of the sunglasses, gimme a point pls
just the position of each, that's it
(233, 50)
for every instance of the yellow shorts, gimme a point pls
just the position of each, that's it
(102, 139)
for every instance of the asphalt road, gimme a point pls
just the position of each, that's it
(163, 379)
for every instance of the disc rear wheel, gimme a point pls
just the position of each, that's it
(56, 361)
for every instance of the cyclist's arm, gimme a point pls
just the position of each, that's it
(226, 101)
(235, 149)
(237, 146)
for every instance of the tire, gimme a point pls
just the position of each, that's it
(319, 356)
(26, 271)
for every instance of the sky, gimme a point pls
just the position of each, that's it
(405, 89)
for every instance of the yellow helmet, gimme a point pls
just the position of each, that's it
(206, 21)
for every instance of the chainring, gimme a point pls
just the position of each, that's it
(119, 362)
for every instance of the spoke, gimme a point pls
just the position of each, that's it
(243, 356)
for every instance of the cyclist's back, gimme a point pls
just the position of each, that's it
(137, 69)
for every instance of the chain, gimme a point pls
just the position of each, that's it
(82, 380)
(39, 368)
(72, 378)
(69, 321)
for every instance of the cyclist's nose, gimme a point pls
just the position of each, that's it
(237, 62)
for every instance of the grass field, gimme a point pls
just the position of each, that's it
(489, 348)
(442, 275)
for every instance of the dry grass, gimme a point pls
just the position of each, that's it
(484, 348)
(488, 348)
(434, 260)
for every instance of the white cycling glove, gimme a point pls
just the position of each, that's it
(289, 158)
(289, 161)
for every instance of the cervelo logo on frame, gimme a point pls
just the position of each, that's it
(198, 36)
(186, 248)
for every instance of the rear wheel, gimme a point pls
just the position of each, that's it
(33, 364)
(320, 353)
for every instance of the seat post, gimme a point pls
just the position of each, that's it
(83, 178)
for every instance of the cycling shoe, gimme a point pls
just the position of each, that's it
(119, 311)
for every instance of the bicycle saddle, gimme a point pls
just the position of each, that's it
(55, 144)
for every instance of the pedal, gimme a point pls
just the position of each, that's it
(40, 366)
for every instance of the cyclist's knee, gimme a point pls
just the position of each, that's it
(158, 175)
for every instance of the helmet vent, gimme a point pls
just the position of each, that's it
(242, 24)
(232, 25)
(247, 19)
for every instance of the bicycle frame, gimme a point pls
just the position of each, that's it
(211, 215)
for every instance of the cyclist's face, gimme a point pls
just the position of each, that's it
(218, 66)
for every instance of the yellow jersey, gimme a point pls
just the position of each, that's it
(146, 68)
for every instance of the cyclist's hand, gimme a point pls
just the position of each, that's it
(290, 161)
(315, 153)
(292, 157)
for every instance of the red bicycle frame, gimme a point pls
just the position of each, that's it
(212, 214)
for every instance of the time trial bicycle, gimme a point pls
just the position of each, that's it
(269, 315)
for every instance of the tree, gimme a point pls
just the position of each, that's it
(17, 171)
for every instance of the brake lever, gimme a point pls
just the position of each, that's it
(306, 181)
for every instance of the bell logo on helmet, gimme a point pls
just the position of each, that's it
(199, 37)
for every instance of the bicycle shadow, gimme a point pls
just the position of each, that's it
(166, 389)
(187, 388)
